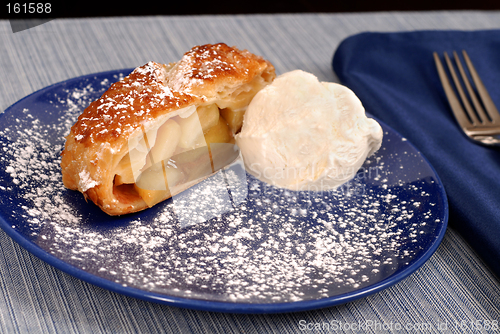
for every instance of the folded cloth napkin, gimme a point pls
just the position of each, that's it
(394, 76)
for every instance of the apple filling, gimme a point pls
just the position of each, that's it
(169, 159)
(233, 106)
(174, 156)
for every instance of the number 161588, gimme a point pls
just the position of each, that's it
(29, 8)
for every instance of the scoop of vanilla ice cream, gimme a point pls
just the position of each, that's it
(302, 134)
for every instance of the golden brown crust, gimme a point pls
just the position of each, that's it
(128, 103)
(98, 140)
(208, 70)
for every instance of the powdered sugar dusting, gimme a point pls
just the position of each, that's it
(85, 181)
(31, 155)
(250, 243)
(134, 99)
(155, 89)
(198, 66)
(205, 63)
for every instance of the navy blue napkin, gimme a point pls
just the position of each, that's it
(394, 76)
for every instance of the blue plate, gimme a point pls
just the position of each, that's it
(229, 244)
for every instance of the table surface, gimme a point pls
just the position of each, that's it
(453, 290)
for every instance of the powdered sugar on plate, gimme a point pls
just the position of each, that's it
(231, 238)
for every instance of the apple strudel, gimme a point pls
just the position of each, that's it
(163, 128)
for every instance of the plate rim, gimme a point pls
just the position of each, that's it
(218, 306)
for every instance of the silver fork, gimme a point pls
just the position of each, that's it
(478, 123)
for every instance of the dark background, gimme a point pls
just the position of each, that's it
(180, 7)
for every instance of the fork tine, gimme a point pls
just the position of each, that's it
(458, 86)
(455, 105)
(481, 89)
(479, 109)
